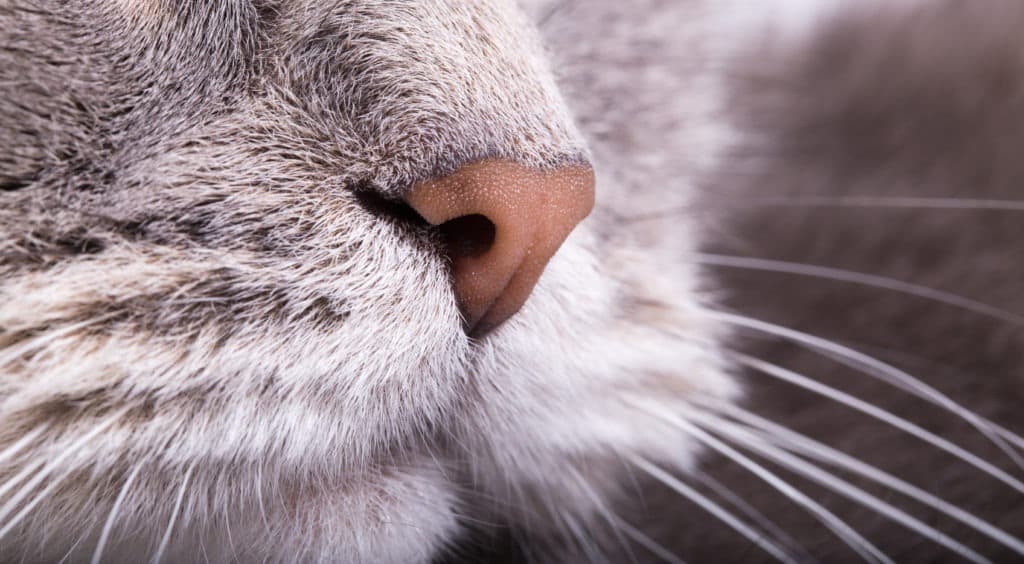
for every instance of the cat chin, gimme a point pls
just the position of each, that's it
(400, 515)
(585, 380)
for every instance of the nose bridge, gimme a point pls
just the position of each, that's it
(532, 212)
(494, 95)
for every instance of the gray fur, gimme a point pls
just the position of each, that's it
(195, 246)
(201, 248)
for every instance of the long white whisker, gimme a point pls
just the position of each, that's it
(17, 518)
(881, 202)
(737, 434)
(1000, 436)
(816, 271)
(592, 554)
(801, 443)
(884, 372)
(20, 476)
(47, 338)
(53, 463)
(908, 202)
(648, 543)
(880, 414)
(108, 527)
(71, 550)
(1007, 441)
(166, 540)
(1008, 435)
(715, 509)
(786, 541)
(605, 512)
(231, 539)
(21, 443)
(259, 498)
(849, 536)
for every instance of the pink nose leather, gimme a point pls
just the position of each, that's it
(530, 213)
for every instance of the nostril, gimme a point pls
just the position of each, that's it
(468, 236)
(398, 212)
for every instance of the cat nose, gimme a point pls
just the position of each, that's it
(502, 222)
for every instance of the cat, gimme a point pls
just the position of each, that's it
(226, 335)
(238, 320)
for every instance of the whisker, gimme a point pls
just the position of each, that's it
(715, 509)
(785, 540)
(607, 514)
(880, 414)
(588, 546)
(21, 443)
(17, 498)
(850, 537)
(165, 541)
(648, 543)
(47, 338)
(19, 477)
(878, 202)
(544, 19)
(736, 434)
(231, 539)
(259, 498)
(39, 497)
(1008, 435)
(67, 555)
(109, 525)
(799, 442)
(906, 202)
(874, 281)
(884, 372)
